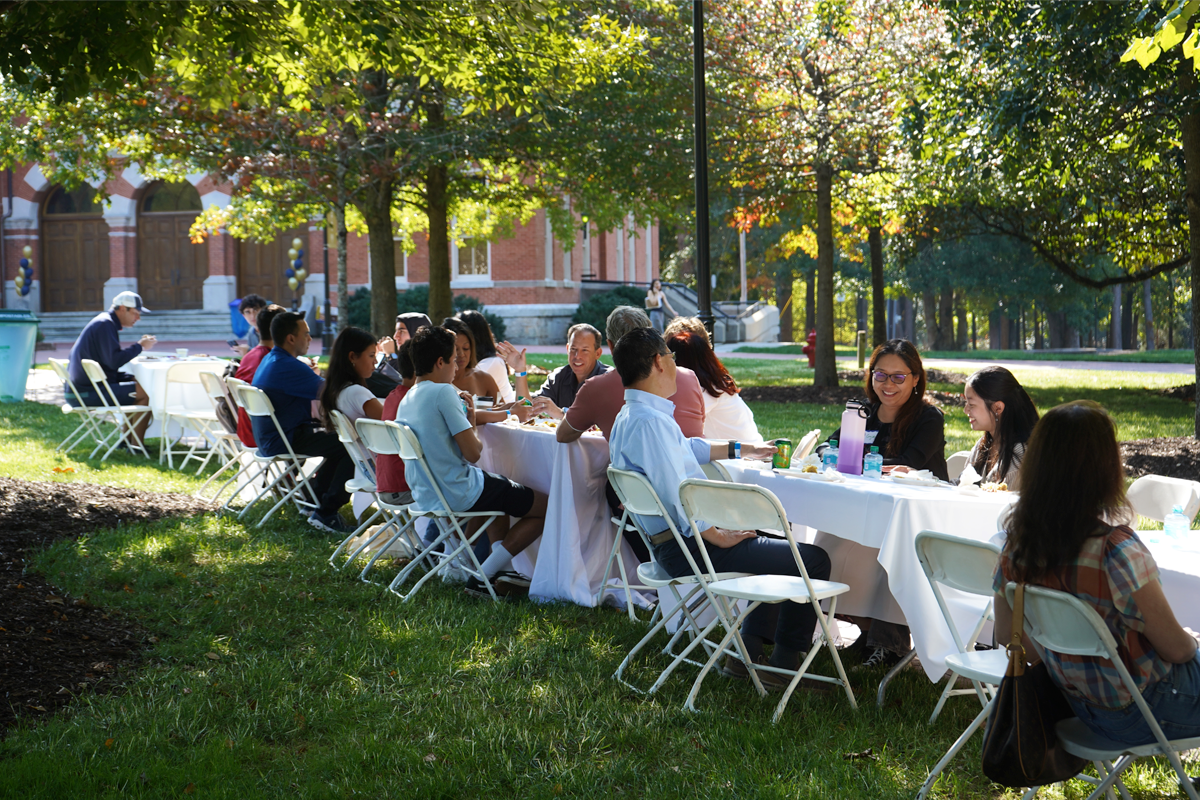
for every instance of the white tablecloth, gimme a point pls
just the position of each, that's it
(888, 516)
(570, 557)
(1179, 569)
(152, 375)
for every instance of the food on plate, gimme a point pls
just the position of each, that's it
(809, 468)
(994, 487)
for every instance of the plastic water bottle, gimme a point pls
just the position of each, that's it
(830, 457)
(1177, 525)
(873, 463)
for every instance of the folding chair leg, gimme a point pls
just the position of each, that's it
(661, 624)
(892, 673)
(362, 576)
(731, 634)
(980, 718)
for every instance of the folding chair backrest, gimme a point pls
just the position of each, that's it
(1063, 623)
(187, 372)
(1153, 496)
(716, 472)
(345, 431)
(220, 398)
(255, 401)
(956, 463)
(806, 444)
(635, 492)
(963, 564)
(376, 437)
(59, 366)
(736, 506)
(100, 386)
(346, 434)
(232, 384)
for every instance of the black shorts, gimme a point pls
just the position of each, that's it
(125, 393)
(501, 494)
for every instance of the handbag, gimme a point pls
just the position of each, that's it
(1020, 745)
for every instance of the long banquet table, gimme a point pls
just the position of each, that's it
(151, 373)
(568, 562)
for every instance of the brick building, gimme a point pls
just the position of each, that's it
(85, 252)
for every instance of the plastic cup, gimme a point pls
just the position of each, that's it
(181, 352)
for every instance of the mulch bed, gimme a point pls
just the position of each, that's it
(54, 646)
(1175, 457)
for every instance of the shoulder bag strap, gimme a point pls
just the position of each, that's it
(1016, 650)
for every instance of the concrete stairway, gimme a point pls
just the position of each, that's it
(168, 326)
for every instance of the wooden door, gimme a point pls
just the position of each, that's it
(261, 266)
(74, 263)
(171, 269)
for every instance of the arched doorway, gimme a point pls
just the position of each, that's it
(261, 266)
(74, 251)
(171, 269)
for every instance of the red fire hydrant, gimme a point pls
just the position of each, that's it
(810, 349)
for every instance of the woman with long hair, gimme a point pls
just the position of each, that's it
(485, 352)
(726, 415)
(910, 434)
(351, 362)
(468, 378)
(656, 301)
(1002, 411)
(1069, 531)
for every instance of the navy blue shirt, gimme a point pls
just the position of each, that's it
(291, 386)
(99, 341)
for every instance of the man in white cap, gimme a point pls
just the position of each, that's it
(100, 341)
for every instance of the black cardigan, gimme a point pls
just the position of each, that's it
(924, 446)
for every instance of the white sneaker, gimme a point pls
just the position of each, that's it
(453, 573)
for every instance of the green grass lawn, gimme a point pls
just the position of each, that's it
(325, 687)
(1147, 357)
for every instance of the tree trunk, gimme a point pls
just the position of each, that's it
(960, 338)
(1038, 342)
(441, 303)
(1149, 315)
(945, 337)
(878, 311)
(810, 303)
(1128, 334)
(1115, 339)
(1190, 135)
(826, 358)
(784, 279)
(929, 307)
(377, 212)
(343, 289)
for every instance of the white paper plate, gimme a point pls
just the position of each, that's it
(827, 477)
(905, 478)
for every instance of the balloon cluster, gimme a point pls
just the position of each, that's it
(296, 272)
(24, 279)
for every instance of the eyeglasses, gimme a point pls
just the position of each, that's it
(669, 353)
(882, 377)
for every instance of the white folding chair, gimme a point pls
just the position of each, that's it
(744, 507)
(956, 463)
(967, 566)
(226, 445)
(688, 591)
(1154, 496)
(449, 523)
(806, 444)
(716, 472)
(88, 426)
(378, 439)
(184, 377)
(290, 477)
(249, 469)
(123, 417)
(1063, 623)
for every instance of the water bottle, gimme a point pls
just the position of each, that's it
(873, 463)
(854, 431)
(829, 458)
(1177, 525)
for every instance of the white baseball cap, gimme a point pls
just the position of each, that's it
(130, 300)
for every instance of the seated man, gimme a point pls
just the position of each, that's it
(444, 423)
(100, 341)
(646, 439)
(386, 376)
(249, 308)
(292, 385)
(250, 362)
(558, 392)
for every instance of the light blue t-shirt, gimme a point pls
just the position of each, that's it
(434, 412)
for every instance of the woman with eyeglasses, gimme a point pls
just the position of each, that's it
(1002, 411)
(910, 434)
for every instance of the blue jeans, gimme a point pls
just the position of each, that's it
(787, 623)
(1174, 701)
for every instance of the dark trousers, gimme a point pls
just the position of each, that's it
(330, 480)
(788, 624)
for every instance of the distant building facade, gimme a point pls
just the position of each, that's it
(85, 252)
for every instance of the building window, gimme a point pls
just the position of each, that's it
(80, 200)
(473, 259)
(171, 198)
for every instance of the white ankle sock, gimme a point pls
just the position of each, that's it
(498, 561)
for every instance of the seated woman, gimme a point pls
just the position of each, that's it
(910, 435)
(468, 378)
(726, 415)
(485, 351)
(999, 407)
(1067, 532)
(351, 362)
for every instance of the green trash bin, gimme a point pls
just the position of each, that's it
(18, 336)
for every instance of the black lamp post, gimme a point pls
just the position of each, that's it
(703, 284)
(327, 328)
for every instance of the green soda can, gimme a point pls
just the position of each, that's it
(783, 458)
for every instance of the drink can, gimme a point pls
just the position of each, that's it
(783, 458)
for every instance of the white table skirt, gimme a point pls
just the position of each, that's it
(887, 517)
(152, 375)
(578, 536)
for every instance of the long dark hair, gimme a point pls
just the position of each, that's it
(692, 351)
(907, 351)
(457, 326)
(340, 373)
(485, 343)
(1015, 423)
(1072, 480)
